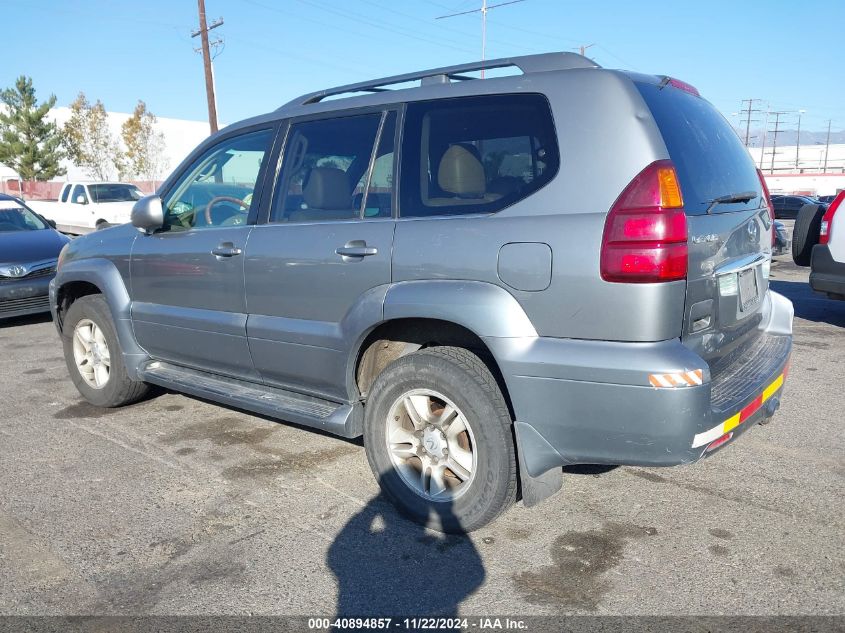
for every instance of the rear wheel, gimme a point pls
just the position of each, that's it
(805, 233)
(438, 437)
(93, 356)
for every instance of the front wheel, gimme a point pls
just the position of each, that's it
(438, 437)
(93, 356)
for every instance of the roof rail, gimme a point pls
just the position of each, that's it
(526, 63)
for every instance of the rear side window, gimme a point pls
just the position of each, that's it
(475, 154)
(65, 193)
(710, 159)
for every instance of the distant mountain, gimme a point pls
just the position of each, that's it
(788, 137)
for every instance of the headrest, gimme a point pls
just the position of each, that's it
(327, 188)
(461, 172)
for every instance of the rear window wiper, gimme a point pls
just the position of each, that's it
(745, 196)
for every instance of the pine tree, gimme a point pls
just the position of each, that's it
(29, 143)
(144, 146)
(88, 140)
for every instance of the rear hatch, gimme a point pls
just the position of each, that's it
(729, 241)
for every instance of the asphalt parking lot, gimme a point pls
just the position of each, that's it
(180, 506)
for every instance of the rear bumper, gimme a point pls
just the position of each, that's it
(592, 402)
(826, 274)
(19, 298)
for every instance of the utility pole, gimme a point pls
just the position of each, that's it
(748, 120)
(763, 142)
(483, 10)
(798, 140)
(826, 147)
(775, 136)
(583, 49)
(202, 31)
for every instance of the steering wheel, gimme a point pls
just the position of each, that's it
(213, 201)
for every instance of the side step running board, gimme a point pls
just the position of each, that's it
(339, 419)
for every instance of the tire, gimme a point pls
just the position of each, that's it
(101, 224)
(117, 389)
(456, 377)
(805, 233)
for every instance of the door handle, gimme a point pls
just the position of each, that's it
(356, 250)
(226, 249)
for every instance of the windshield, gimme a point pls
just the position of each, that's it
(16, 217)
(115, 193)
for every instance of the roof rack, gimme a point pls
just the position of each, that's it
(526, 63)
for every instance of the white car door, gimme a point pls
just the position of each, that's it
(79, 211)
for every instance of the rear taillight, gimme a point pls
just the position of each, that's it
(767, 198)
(645, 234)
(827, 218)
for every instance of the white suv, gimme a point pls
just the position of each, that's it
(827, 265)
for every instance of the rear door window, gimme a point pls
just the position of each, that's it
(327, 168)
(710, 159)
(475, 154)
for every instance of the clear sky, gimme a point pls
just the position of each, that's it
(789, 53)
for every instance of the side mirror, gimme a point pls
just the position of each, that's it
(80, 199)
(148, 214)
(47, 221)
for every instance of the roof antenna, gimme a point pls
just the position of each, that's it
(484, 9)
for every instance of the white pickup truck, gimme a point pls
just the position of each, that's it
(83, 207)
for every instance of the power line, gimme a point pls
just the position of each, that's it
(748, 120)
(484, 9)
(583, 49)
(826, 147)
(202, 31)
(379, 24)
(460, 32)
(777, 114)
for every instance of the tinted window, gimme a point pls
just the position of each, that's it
(325, 169)
(79, 191)
(114, 193)
(710, 159)
(217, 190)
(65, 193)
(476, 154)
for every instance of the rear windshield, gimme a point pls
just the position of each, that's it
(710, 159)
(115, 193)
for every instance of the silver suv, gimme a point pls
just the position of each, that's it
(487, 278)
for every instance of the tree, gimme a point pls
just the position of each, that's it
(29, 143)
(88, 140)
(145, 147)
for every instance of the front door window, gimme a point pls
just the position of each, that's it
(218, 189)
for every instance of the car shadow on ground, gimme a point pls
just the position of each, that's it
(389, 566)
(810, 305)
(31, 319)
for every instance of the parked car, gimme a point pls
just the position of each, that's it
(787, 207)
(29, 248)
(85, 207)
(486, 278)
(782, 242)
(819, 242)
